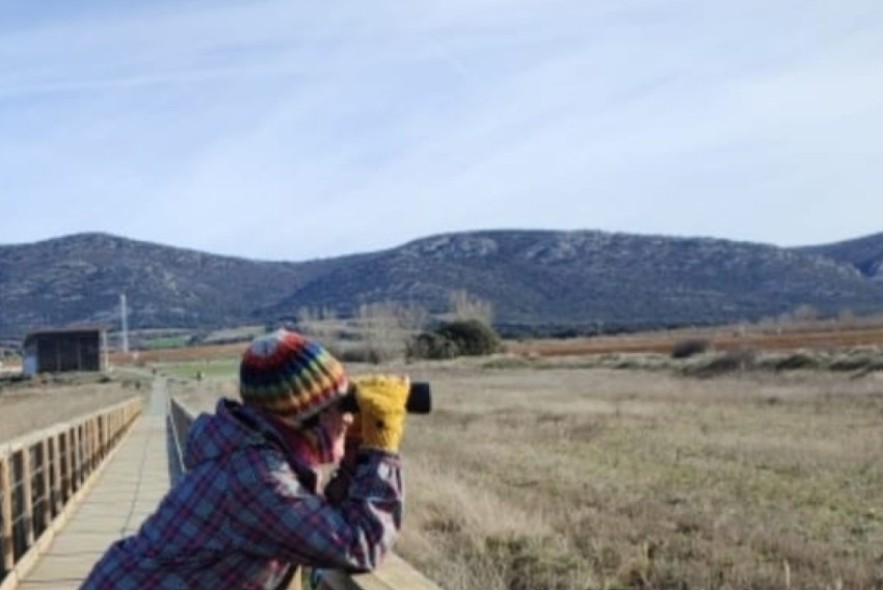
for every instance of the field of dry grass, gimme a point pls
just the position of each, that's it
(557, 470)
(559, 475)
(29, 406)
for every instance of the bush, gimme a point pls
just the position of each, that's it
(430, 345)
(687, 348)
(472, 337)
(460, 338)
(360, 354)
(798, 360)
(741, 359)
(855, 361)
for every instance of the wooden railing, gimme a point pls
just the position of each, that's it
(41, 473)
(394, 574)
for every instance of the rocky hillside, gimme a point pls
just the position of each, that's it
(79, 279)
(865, 254)
(536, 280)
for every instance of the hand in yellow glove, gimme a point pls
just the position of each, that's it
(382, 400)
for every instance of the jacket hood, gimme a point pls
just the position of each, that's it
(232, 428)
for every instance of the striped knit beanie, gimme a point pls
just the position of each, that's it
(290, 376)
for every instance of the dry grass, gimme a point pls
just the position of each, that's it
(561, 473)
(32, 405)
(569, 478)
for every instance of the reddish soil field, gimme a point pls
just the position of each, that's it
(721, 340)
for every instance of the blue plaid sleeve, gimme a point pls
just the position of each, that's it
(277, 517)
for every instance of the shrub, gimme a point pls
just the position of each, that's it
(429, 345)
(689, 347)
(472, 337)
(459, 338)
(856, 361)
(359, 354)
(734, 360)
(798, 360)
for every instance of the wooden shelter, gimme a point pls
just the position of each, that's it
(66, 349)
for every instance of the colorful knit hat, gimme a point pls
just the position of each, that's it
(288, 375)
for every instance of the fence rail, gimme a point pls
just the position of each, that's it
(394, 574)
(41, 472)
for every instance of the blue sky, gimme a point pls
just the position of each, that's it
(294, 130)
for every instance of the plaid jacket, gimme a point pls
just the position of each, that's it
(246, 512)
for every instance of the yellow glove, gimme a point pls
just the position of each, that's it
(382, 400)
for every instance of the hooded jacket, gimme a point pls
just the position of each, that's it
(247, 511)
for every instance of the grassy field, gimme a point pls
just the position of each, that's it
(560, 475)
(557, 470)
(40, 403)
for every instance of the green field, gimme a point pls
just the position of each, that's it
(220, 369)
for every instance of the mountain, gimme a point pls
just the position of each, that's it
(865, 254)
(539, 281)
(79, 279)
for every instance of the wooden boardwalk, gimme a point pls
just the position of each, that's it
(127, 489)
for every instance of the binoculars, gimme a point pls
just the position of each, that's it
(419, 399)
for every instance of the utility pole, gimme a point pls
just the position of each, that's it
(124, 324)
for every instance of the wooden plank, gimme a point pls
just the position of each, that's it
(394, 574)
(6, 532)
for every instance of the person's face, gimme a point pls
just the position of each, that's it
(336, 423)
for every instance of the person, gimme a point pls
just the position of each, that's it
(250, 508)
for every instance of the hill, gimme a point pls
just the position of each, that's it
(537, 281)
(865, 254)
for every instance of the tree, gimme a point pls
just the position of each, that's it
(319, 323)
(387, 327)
(467, 307)
(805, 313)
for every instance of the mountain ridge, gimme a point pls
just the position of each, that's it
(536, 280)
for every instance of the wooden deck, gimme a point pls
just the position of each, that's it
(126, 490)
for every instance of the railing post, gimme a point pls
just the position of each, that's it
(90, 445)
(6, 514)
(55, 492)
(77, 464)
(105, 435)
(27, 499)
(67, 468)
(86, 442)
(46, 512)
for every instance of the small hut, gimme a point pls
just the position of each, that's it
(66, 349)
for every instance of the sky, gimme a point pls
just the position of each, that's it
(291, 130)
